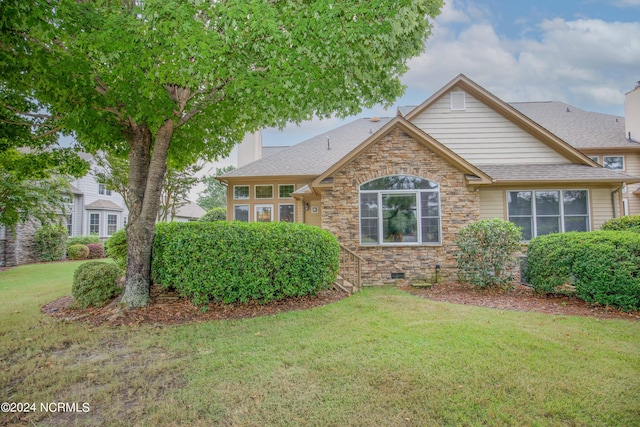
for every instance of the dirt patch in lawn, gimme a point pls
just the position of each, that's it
(520, 298)
(168, 308)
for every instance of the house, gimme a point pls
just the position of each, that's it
(396, 191)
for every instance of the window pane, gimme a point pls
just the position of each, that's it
(526, 226)
(430, 230)
(399, 182)
(519, 202)
(613, 162)
(369, 230)
(284, 191)
(241, 213)
(94, 224)
(369, 205)
(547, 203)
(264, 192)
(575, 202)
(399, 218)
(241, 192)
(576, 223)
(286, 213)
(112, 224)
(264, 213)
(547, 225)
(430, 204)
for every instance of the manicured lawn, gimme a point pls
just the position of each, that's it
(379, 358)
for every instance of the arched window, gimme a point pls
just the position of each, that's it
(399, 209)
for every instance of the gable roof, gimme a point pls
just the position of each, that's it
(313, 156)
(190, 210)
(508, 112)
(102, 204)
(474, 174)
(580, 128)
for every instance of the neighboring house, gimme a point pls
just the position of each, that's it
(188, 212)
(396, 191)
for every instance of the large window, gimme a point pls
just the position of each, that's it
(112, 224)
(241, 213)
(286, 213)
(264, 191)
(399, 209)
(264, 213)
(285, 190)
(615, 163)
(94, 224)
(548, 211)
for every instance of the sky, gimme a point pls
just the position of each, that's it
(582, 52)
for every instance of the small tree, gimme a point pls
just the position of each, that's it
(175, 190)
(486, 252)
(214, 194)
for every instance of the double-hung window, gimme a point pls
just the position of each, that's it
(548, 211)
(400, 210)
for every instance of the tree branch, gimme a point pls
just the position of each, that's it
(211, 97)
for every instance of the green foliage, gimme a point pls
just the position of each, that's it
(116, 248)
(83, 240)
(96, 250)
(623, 223)
(214, 194)
(237, 262)
(51, 242)
(486, 252)
(77, 252)
(95, 283)
(215, 214)
(602, 267)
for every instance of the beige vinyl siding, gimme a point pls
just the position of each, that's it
(632, 167)
(601, 206)
(482, 136)
(491, 203)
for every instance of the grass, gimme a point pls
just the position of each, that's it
(379, 358)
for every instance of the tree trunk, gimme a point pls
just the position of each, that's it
(147, 167)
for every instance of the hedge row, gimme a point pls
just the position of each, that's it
(603, 266)
(236, 262)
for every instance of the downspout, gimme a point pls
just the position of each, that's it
(615, 194)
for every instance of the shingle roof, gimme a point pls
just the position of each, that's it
(580, 128)
(190, 210)
(312, 157)
(104, 205)
(554, 173)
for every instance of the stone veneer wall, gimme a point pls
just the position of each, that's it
(19, 246)
(398, 154)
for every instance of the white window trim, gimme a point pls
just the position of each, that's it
(287, 204)
(99, 223)
(248, 212)
(241, 198)
(283, 185)
(381, 215)
(255, 211)
(255, 191)
(624, 162)
(534, 225)
(458, 101)
(117, 223)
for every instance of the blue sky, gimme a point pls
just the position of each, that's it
(583, 52)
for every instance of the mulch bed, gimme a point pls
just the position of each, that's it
(167, 308)
(520, 298)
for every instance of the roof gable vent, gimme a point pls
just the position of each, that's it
(458, 101)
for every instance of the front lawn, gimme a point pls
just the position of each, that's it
(379, 358)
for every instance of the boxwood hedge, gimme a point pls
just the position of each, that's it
(602, 266)
(236, 262)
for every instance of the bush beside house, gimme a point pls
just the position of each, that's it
(233, 262)
(486, 253)
(78, 252)
(51, 242)
(601, 267)
(623, 223)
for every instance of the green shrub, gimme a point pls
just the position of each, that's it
(83, 240)
(96, 250)
(237, 262)
(602, 266)
(51, 242)
(116, 248)
(95, 283)
(215, 214)
(78, 252)
(487, 252)
(624, 223)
